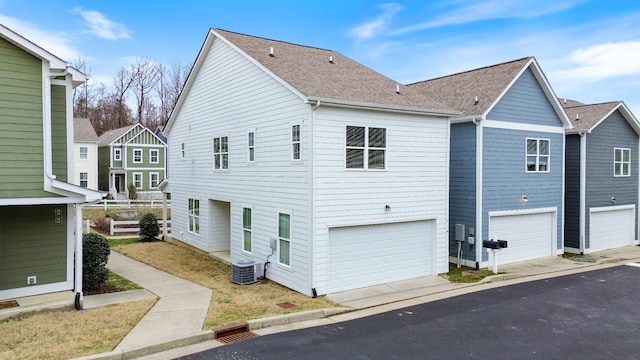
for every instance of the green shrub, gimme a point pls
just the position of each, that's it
(133, 192)
(149, 227)
(95, 254)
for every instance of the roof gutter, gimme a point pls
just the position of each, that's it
(380, 107)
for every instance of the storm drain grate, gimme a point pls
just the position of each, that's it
(237, 337)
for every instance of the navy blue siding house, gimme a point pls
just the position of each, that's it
(506, 162)
(602, 177)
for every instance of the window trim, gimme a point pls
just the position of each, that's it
(117, 154)
(280, 239)
(366, 148)
(86, 179)
(248, 230)
(251, 146)
(157, 152)
(141, 180)
(86, 153)
(295, 142)
(183, 151)
(622, 162)
(537, 156)
(193, 216)
(220, 153)
(141, 156)
(151, 174)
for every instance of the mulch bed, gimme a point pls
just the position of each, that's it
(8, 304)
(104, 289)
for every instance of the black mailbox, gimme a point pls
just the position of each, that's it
(491, 244)
(503, 244)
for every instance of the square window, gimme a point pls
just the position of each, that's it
(621, 162)
(538, 155)
(137, 155)
(154, 156)
(84, 179)
(117, 154)
(365, 148)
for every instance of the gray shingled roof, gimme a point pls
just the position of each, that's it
(320, 74)
(110, 135)
(459, 90)
(83, 131)
(585, 117)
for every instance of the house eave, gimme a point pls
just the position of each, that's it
(379, 107)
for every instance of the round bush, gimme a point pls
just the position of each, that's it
(95, 254)
(149, 227)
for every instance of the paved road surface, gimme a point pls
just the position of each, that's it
(591, 315)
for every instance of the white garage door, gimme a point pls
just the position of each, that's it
(361, 256)
(611, 227)
(529, 236)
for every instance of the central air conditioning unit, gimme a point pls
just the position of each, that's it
(244, 272)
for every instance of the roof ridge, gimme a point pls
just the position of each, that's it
(595, 104)
(275, 40)
(472, 70)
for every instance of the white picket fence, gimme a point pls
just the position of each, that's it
(116, 227)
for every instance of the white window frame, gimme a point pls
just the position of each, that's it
(537, 156)
(296, 142)
(193, 214)
(141, 160)
(251, 146)
(138, 184)
(619, 166)
(151, 156)
(366, 148)
(247, 231)
(117, 154)
(220, 155)
(151, 180)
(85, 180)
(183, 150)
(282, 239)
(83, 155)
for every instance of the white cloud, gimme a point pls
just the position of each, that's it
(379, 24)
(603, 61)
(57, 43)
(101, 27)
(491, 9)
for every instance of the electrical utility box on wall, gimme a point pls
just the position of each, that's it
(459, 233)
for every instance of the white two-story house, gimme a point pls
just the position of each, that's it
(330, 175)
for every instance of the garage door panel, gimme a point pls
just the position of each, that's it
(610, 229)
(361, 256)
(529, 236)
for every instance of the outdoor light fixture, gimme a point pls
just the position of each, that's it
(524, 199)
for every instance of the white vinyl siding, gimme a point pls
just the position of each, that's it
(137, 180)
(137, 156)
(621, 162)
(221, 153)
(538, 156)
(193, 212)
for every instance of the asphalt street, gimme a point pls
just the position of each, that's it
(591, 315)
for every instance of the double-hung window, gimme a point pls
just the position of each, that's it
(117, 154)
(153, 180)
(251, 146)
(137, 180)
(295, 142)
(154, 156)
(194, 216)
(538, 155)
(84, 179)
(365, 148)
(246, 229)
(182, 150)
(221, 152)
(284, 239)
(137, 155)
(621, 162)
(84, 153)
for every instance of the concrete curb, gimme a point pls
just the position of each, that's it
(296, 317)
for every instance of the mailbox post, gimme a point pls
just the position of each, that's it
(494, 245)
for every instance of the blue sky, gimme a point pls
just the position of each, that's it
(589, 50)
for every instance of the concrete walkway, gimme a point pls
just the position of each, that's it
(180, 311)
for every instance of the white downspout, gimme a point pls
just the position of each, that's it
(479, 208)
(583, 190)
(311, 195)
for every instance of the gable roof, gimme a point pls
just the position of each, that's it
(83, 131)
(111, 136)
(586, 117)
(318, 75)
(55, 63)
(476, 92)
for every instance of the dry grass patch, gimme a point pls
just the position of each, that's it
(69, 333)
(230, 302)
